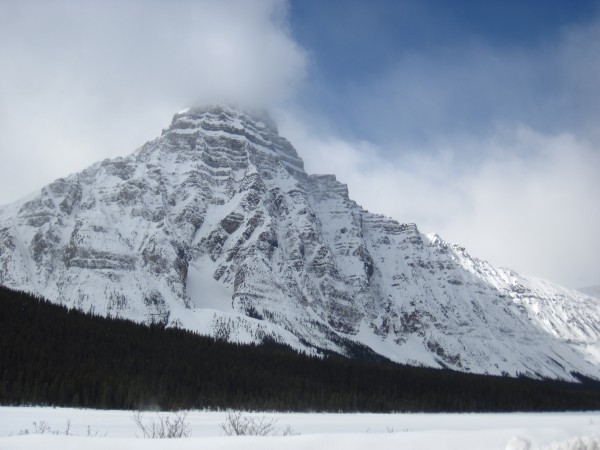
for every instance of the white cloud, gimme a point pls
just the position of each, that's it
(529, 203)
(538, 213)
(86, 80)
(496, 149)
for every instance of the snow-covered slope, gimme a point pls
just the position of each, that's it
(215, 227)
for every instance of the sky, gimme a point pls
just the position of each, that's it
(479, 121)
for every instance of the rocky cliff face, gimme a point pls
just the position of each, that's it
(215, 227)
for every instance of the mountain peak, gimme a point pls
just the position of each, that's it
(211, 115)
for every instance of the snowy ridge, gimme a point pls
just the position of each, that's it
(215, 227)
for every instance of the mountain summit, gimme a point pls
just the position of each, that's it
(216, 227)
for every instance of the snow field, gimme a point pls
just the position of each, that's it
(116, 430)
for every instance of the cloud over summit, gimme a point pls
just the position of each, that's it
(84, 80)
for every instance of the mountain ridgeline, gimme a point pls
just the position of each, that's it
(216, 228)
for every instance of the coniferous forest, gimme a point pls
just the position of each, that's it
(51, 355)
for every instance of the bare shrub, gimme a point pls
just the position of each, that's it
(95, 433)
(163, 427)
(42, 427)
(289, 431)
(238, 424)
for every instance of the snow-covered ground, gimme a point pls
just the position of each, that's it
(117, 430)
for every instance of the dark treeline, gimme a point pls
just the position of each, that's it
(50, 355)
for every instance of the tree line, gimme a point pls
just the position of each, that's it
(52, 355)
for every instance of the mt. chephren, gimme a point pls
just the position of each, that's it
(216, 227)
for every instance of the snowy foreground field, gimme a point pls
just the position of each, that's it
(116, 430)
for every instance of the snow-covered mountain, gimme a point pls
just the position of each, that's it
(216, 227)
